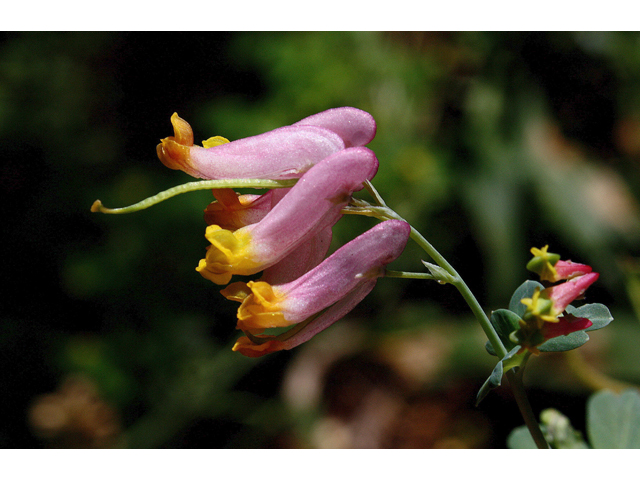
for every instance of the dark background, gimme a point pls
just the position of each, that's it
(489, 144)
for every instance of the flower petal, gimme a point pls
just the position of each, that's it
(564, 326)
(356, 127)
(565, 293)
(311, 205)
(283, 153)
(359, 262)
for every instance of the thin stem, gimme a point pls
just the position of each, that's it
(414, 275)
(385, 213)
(525, 409)
(192, 187)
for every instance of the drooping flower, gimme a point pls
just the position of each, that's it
(283, 153)
(318, 298)
(312, 205)
(551, 268)
(231, 211)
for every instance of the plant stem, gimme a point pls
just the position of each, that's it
(525, 409)
(514, 381)
(384, 213)
(415, 275)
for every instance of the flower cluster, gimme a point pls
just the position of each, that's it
(544, 318)
(285, 233)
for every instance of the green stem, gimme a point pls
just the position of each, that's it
(414, 275)
(192, 187)
(525, 409)
(383, 212)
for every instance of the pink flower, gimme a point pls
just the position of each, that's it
(283, 153)
(312, 205)
(545, 305)
(318, 298)
(564, 293)
(232, 211)
(564, 326)
(551, 268)
(542, 319)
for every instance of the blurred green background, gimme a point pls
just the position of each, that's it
(489, 144)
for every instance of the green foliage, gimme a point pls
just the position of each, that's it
(510, 360)
(557, 430)
(599, 315)
(565, 342)
(526, 290)
(507, 321)
(613, 421)
(504, 322)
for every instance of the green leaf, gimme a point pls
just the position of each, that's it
(565, 342)
(599, 315)
(526, 290)
(596, 312)
(557, 430)
(495, 379)
(613, 421)
(504, 322)
(520, 438)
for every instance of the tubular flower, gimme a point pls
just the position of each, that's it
(232, 211)
(542, 319)
(283, 153)
(318, 298)
(551, 268)
(312, 205)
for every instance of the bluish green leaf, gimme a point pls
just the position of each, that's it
(613, 421)
(599, 315)
(520, 438)
(565, 342)
(526, 290)
(495, 379)
(504, 322)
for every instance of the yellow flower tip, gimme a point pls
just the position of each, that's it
(237, 292)
(183, 133)
(540, 308)
(221, 278)
(539, 252)
(214, 142)
(550, 318)
(543, 263)
(174, 151)
(249, 349)
(262, 308)
(230, 253)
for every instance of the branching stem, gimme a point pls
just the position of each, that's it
(382, 212)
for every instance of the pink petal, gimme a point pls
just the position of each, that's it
(568, 269)
(564, 327)
(565, 293)
(356, 127)
(359, 261)
(314, 203)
